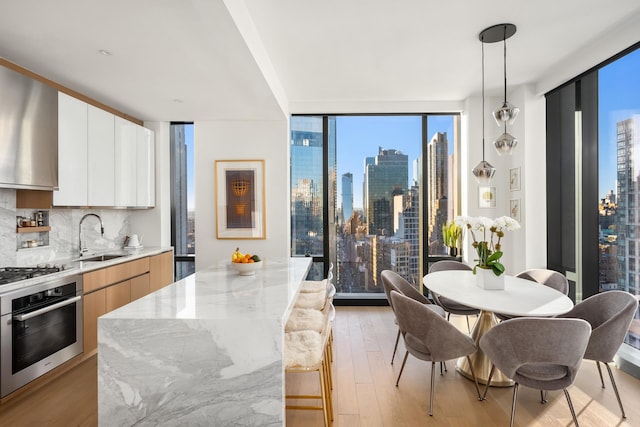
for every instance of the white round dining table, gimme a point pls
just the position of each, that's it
(520, 297)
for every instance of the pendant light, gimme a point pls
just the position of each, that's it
(483, 171)
(507, 112)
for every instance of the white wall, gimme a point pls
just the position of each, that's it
(534, 179)
(525, 248)
(237, 140)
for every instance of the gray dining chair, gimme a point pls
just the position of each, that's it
(393, 281)
(550, 278)
(428, 336)
(609, 314)
(449, 305)
(541, 353)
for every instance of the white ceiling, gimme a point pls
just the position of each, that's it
(231, 59)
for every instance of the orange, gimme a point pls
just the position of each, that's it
(250, 261)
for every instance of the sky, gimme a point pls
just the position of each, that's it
(618, 99)
(360, 136)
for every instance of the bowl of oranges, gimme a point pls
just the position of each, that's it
(245, 264)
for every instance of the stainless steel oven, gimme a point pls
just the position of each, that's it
(41, 328)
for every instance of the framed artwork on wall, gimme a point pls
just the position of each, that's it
(486, 197)
(514, 179)
(514, 209)
(240, 199)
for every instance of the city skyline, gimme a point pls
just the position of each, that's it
(359, 137)
(618, 100)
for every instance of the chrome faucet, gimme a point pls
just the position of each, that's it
(83, 248)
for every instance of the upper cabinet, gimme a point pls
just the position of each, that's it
(72, 152)
(145, 168)
(100, 157)
(104, 160)
(126, 162)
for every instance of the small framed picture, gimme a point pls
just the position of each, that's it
(514, 179)
(486, 197)
(514, 209)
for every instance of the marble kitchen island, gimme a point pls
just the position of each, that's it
(203, 351)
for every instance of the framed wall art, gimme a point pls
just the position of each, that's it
(486, 197)
(240, 199)
(514, 179)
(514, 209)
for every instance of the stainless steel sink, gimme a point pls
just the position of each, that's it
(102, 257)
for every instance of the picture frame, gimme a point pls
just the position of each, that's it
(514, 209)
(486, 197)
(514, 179)
(240, 199)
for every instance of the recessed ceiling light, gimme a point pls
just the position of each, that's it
(104, 52)
(178, 101)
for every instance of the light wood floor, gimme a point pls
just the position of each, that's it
(364, 391)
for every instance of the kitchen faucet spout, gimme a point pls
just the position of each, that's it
(81, 245)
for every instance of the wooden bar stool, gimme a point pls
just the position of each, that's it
(306, 351)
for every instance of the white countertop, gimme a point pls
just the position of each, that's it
(206, 350)
(77, 266)
(218, 292)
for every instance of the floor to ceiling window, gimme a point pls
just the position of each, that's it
(619, 179)
(593, 219)
(182, 199)
(371, 193)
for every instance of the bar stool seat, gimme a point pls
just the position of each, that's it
(313, 300)
(311, 286)
(308, 319)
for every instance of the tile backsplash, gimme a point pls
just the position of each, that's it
(64, 234)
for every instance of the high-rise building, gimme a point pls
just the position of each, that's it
(385, 177)
(407, 209)
(179, 191)
(347, 196)
(365, 201)
(437, 194)
(627, 212)
(306, 185)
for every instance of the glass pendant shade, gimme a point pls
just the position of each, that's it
(505, 143)
(483, 172)
(507, 112)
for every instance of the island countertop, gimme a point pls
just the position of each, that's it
(206, 350)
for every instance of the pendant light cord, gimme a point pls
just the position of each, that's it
(482, 40)
(504, 42)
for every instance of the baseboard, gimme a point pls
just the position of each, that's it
(628, 360)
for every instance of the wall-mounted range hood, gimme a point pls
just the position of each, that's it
(28, 132)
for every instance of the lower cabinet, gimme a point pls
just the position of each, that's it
(94, 306)
(112, 287)
(161, 270)
(118, 295)
(140, 286)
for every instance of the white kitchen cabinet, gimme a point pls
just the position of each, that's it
(101, 157)
(145, 168)
(103, 160)
(72, 152)
(126, 143)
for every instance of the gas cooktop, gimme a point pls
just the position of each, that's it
(14, 274)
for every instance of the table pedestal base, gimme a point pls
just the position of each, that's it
(479, 360)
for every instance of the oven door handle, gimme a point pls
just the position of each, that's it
(27, 316)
